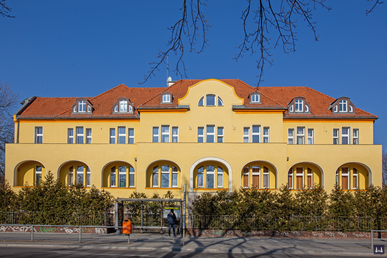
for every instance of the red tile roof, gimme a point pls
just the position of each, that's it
(271, 98)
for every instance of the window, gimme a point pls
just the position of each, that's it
(337, 179)
(210, 100)
(113, 177)
(355, 136)
(38, 134)
(116, 109)
(343, 106)
(38, 175)
(70, 180)
(82, 106)
(335, 109)
(167, 98)
(306, 108)
(309, 179)
(70, 135)
(131, 177)
(345, 135)
(355, 179)
(200, 134)
(130, 135)
(265, 177)
(80, 175)
(220, 134)
(88, 135)
(175, 134)
(299, 104)
(350, 108)
(291, 108)
(155, 134)
(80, 135)
(246, 172)
(336, 136)
(300, 135)
(164, 176)
(290, 136)
(255, 176)
(246, 134)
(123, 106)
(290, 178)
(220, 178)
(266, 134)
(299, 178)
(165, 133)
(75, 109)
(155, 177)
(210, 176)
(255, 98)
(256, 133)
(88, 177)
(201, 102)
(122, 176)
(88, 109)
(130, 109)
(344, 179)
(210, 133)
(200, 177)
(310, 136)
(220, 102)
(112, 135)
(175, 176)
(121, 134)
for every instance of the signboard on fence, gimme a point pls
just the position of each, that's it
(167, 210)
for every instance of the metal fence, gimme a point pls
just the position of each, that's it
(90, 219)
(291, 223)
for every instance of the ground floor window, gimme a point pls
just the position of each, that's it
(256, 176)
(164, 176)
(210, 176)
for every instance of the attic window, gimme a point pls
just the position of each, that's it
(255, 98)
(343, 106)
(123, 105)
(210, 100)
(166, 98)
(299, 105)
(82, 106)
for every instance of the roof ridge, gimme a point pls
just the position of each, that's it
(105, 92)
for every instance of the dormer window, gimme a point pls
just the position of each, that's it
(343, 106)
(123, 105)
(299, 105)
(255, 98)
(166, 98)
(82, 106)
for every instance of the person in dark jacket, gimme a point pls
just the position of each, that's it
(171, 221)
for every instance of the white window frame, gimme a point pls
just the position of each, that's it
(210, 173)
(343, 105)
(211, 95)
(166, 98)
(255, 98)
(203, 177)
(38, 175)
(209, 134)
(311, 178)
(175, 134)
(290, 173)
(220, 134)
(267, 174)
(113, 174)
(130, 135)
(220, 102)
(201, 102)
(79, 172)
(311, 137)
(112, 138)
(131, 172)
(256, 174)
(355, 175)
(89, 137)
(166, 133)
(119, 176)
(299, 105)
(70, 179)
(154, 172)
(266, 136)
(201, 135)
(70, 138)
(291, 137)
(165, 172)
(336, 139)
(88, 177)
(248, 177)
(175, 172)
(257, 134)
(38, 135)
(155, 134)
(347, 135)
(302, 136)
(303, 179)
(123, 106)
(82, 106)
(347, 175)
(219, 172)
(355, 136)
(82, 135)
(121, 135)
(246, 134)
(291, 108)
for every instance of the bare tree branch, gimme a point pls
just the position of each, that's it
(373, 7)
(5, 10)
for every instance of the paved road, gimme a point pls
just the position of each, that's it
(165, 246)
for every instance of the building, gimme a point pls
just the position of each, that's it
(209, 134)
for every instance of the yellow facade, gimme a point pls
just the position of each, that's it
(157, 167)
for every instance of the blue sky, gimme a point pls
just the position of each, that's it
(82, 48)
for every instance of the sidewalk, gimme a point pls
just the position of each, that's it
(149, 242)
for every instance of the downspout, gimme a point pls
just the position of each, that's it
(16, 139)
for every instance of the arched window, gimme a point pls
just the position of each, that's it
(220, 102)
(257, 176)
(210, 176)
(290, 178)
(201, 102)
(70, 180)
(210, 100)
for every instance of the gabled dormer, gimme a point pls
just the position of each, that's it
(123, 106)
(299, 105)
(342, 105)
(166, 98)
(255, 97)
(82, 106)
